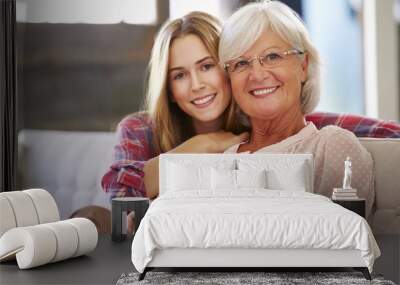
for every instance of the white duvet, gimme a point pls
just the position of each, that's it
(250, 219)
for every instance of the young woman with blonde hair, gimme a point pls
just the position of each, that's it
(188, 101)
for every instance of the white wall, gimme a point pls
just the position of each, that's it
(87, 11)
(381, 44)
(218, 8)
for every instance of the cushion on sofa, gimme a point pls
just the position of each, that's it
(386, 155)
(69, 165)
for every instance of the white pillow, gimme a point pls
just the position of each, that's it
(183, 177)
(223, 179)
(294, 178)
(283, 173)
(251, 178)
(235, 179)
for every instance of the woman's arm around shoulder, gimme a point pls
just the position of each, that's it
(215, 142)
(133, 148)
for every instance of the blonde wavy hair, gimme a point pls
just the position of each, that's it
(171, 125)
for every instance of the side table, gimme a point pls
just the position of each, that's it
(120, 209)
(356, 205)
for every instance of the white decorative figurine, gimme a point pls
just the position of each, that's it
(346, 192)
(347, 174)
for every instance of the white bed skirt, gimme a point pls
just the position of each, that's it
(235, 257)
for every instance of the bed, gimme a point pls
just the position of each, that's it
(229, 210)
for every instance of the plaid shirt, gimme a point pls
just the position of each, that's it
(134, 147)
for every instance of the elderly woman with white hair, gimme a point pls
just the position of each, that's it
(274, 70)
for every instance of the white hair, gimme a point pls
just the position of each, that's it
(246, 25)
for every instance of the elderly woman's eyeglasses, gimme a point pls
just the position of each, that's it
(268, 59)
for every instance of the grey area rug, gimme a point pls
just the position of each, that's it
(231, 278)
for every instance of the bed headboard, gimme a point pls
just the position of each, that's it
(175, 169)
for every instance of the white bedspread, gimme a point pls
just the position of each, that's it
(250, 219)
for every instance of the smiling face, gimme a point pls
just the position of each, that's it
(267, 93)
(197, 83)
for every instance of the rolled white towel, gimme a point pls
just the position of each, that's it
(67, 239)
(87, 235)
(45, 205)
(7, 218)
(26, 208)
(23, 208)
(33, 246)
(40, 244)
